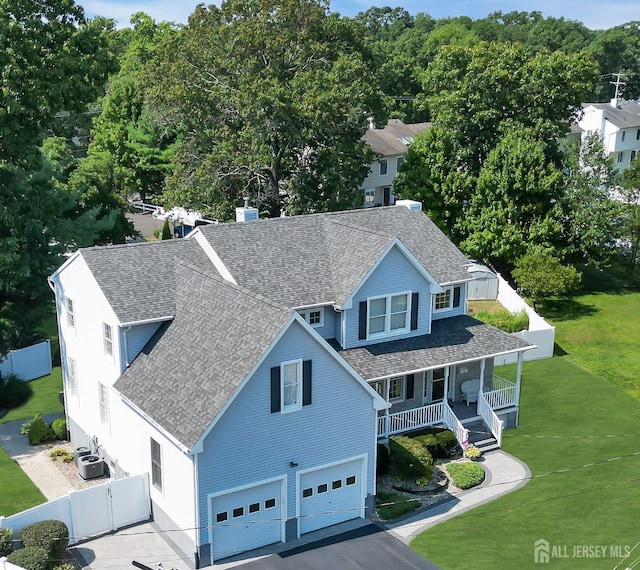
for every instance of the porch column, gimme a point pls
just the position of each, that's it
(386, 411)
(518, 378)
(481, 389)
(446, 382)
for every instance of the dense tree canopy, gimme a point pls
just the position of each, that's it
(272, 100)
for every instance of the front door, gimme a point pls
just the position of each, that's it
(434, 386)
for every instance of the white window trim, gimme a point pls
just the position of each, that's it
(68, 308)
(107, 342)
(158, 463)
(298, 405)
(306, 316)
(444, 290)
(403, 389)
(386, 166)
(387, 320)
(103, 400)
(72, 376)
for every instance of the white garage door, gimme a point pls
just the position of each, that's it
(331, 495)
(246, 519)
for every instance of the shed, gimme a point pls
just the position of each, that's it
(485, 282)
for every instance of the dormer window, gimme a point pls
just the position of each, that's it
(388, 315)
(448, 299)
(315, 317)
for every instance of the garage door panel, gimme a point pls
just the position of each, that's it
(246, 519)
(330, 495)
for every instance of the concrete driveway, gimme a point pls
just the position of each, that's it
(366, 547)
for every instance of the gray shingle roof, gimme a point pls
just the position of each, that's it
(457, 339)
(303, 260)
(139, 279)
(188, 372)
(627, 116)
(394, 138)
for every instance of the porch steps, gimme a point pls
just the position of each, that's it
(481, 437)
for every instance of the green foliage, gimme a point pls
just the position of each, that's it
(630, 217)
(472, 452)
(13, 391)
(504, 320)
(30, 558)
(46, 397)
(540, 275)
(466, 475)
(65, 566)
(37, 430)
(439, 442)
(6, 541)
(52, 535)
(59, 427)
(391, 506)
(410, 459)
(383, 459)
(166, 230)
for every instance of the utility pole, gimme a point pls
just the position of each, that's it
(619, 85)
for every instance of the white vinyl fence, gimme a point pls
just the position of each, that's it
(87, 512)
(540, 332)
(28, 363)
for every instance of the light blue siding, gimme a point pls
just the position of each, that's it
(250, 444)
(457, 310)
(136, 337)
(338, 327)
(394, 274)
(327, 330)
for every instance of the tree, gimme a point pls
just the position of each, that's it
(630, 234)
(513, 204)
(272, 100)
(53, 60)
(540, 275)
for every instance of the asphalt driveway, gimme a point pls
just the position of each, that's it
(366, 547)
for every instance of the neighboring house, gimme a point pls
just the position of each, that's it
(618, 125)
(251, 367)
(390, 145)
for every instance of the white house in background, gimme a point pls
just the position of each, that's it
(251, 367)
(618, 125)
(390, 144)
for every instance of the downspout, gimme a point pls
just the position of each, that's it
(125, 330)
(518, 379)
(196, 513)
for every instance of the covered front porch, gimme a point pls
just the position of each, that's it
(443, 379)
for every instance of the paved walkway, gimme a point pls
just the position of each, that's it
(38, 467)
(504, 473)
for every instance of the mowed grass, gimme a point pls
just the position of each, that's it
(580, 437)
(17, 492)
(45, 398)
(601, 332)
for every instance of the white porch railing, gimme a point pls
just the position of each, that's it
(495, 424)
(503, 394)
(425, 416)
(410, 419)
(500, 383)
(453, 423)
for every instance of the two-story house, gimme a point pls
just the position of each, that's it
(251, 368)
(618, 125)
(390, 145)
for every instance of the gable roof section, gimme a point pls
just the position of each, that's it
(139, 279)
(304, 260)
(187, 373)
(394, 138)
(627, 116)
(452, 341)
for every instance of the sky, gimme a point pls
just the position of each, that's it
(595, 14)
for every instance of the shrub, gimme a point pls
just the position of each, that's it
(466, 475)
(504, 320)
(14, 392)
(61, 453)
(410, 459)
(39, 431)
(59, 427)
(30, 558)
(391, 505)
(6, 541)
(438, 442)
(472, 452)
(166, 230)
(52, 535)
(65, 566)
(383, 460)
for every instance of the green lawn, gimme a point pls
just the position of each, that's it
(17, 492)
(45, 398)
(577, 434)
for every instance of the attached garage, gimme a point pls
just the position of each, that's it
(247, 518)
(331, 495)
